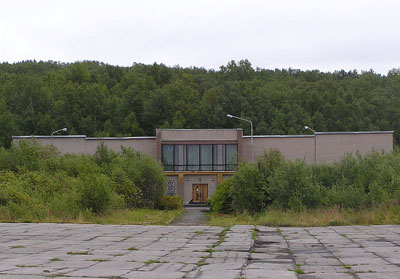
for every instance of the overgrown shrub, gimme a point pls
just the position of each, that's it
(221, 201)
(35, 180)
(146, 173)
(354, 182)
(269, 162)
(169, 202)
(248, 189)
(292, 186)
(94, 193)
(131, 194)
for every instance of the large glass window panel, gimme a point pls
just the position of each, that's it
(215, 157)
(231, 156)
(176, 157)
(206, 157)
(168, 156)
(192, 154)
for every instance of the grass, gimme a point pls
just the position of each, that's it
(299, 271)
(78, 253)
(222, 236)
(133, 248)
(254, 234)
(202, 262)
(22, 265)
(55, 275)
(55, 259)
(154, 261)
(17, 246)
(99, 260)
(384, 215)
(137, 216)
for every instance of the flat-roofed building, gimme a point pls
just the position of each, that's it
(197, 160)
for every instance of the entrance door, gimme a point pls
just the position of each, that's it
(200, 192)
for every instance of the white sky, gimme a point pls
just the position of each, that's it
(301, 34)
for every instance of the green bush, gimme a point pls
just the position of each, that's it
(292, 186)
(146, 173)
(269, 162)
(94, 193)
(169, 202)
(221, 201)
(248, 189)
(125, 187)
(35, 179)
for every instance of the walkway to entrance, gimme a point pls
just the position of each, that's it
(193, 216)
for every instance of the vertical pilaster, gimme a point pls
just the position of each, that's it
(219, 178)
(240, 144)
(158, 143)
(181, 181)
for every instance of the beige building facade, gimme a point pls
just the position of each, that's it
(196, 161)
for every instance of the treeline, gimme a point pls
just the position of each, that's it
(36, 181)
(355, 182)
(97, 99)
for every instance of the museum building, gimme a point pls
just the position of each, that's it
(197, 160)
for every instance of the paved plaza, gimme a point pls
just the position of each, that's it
(114, 251)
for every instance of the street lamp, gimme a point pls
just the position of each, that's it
(315, 143)
(251, 128)
(61, 130)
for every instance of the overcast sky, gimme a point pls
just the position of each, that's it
(301, 34)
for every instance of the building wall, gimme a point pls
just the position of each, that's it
(198, 135)
(143, 145)
(189, 180)
(332, 146)
(329, 147)
(84, 145)
(64, 144)
(291, 147)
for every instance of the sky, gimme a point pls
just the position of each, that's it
(299, 34)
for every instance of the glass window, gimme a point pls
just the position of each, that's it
(194, 157)
(168, 156)
(192, 154)
(206, 157)
(216, 162)
(231, 156)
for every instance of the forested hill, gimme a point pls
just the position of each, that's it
(97, 99)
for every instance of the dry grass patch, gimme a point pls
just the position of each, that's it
(312, 217)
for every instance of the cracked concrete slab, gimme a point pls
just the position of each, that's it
(117, 251)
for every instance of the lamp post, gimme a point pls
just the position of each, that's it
(61, 130)
(251, 128)
(315, 143)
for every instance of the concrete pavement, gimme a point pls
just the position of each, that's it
(116, 251)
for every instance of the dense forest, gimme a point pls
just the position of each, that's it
(97, 99)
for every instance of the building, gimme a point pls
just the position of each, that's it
(196, 161)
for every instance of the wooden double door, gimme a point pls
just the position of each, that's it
(200, 192)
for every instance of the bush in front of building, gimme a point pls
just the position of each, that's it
(169, 202)
(38, 183)
(94, 193)
(355, 182)
(248, 189)
(221, 201)
(292, 187)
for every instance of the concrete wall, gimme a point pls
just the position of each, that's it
(198, 134)
(332, 146)
(189, 180)
(84, 145)
(143, 145)
(291, 147)
(329, 146)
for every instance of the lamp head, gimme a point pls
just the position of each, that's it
(306, 127)
(229, 115)
(64, 129)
